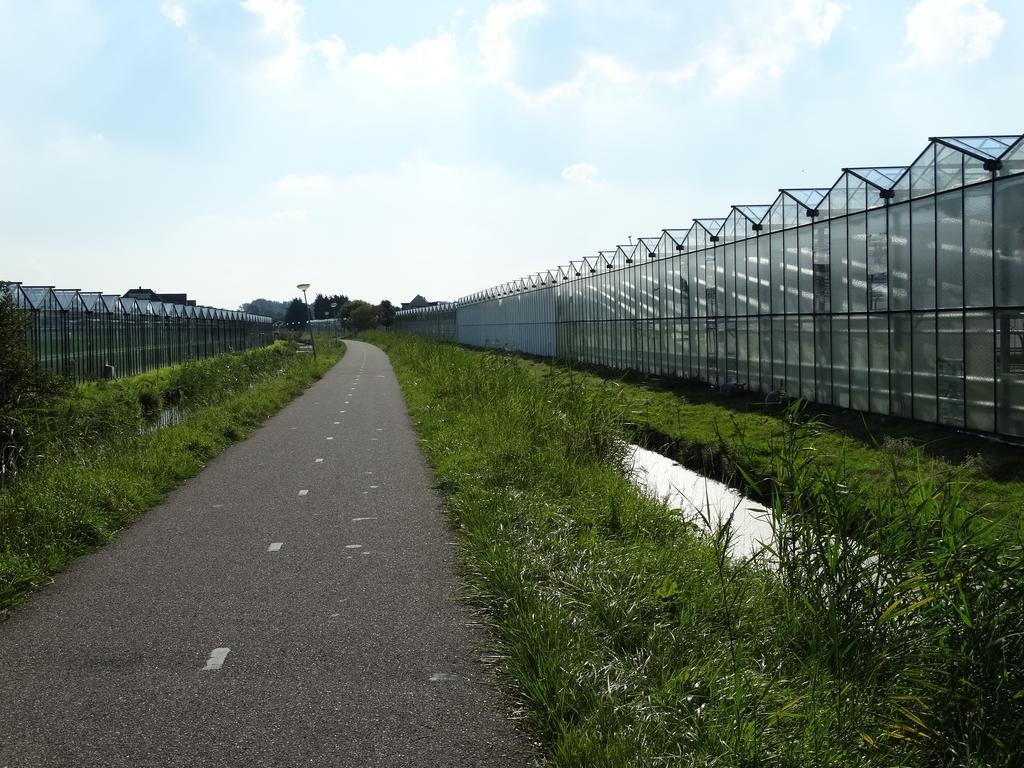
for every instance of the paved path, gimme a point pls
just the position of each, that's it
(349, 645)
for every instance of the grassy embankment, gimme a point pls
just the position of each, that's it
(701, 428)
(100, 458)
(885, 631)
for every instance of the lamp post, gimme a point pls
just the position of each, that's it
(312, 339)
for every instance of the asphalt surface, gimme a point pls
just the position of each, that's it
(349, 645)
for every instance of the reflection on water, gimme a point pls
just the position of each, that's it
(166, 417)
(701, 500)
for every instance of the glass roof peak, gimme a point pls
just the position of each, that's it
(753, 213)
(981, 147)
(808, 197)
(880, 176)
(713, 226)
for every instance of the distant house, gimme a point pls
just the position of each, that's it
(418, 301)
(150, 295)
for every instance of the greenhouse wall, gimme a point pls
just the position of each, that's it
(78, 334)
(434, 322)
(897, 290)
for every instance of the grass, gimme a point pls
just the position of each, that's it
(884, 628)
(100, 459)
(701, 428)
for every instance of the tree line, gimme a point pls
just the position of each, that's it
(361, 315)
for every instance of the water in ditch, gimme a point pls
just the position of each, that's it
(706, 503)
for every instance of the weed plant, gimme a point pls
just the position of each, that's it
(879, 629)
(96, 462)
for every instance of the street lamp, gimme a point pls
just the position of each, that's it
(312, 339)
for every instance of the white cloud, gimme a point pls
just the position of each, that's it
(496, 36)
(174, 12)
(281, 20)
(581, 173)
(428, 61)
(769, 47)
(940, 31)
(332, 49)
(290, 214)
(753, 51)
(305, 184)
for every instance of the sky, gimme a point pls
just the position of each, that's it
(232, 149)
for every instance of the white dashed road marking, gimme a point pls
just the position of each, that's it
(330, 438)
(216, 660)
(303, 492)
(319, 461)
(275, 547)
(360, 519)
(353, 546)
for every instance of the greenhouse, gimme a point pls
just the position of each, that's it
(895, 290)
(79, 334)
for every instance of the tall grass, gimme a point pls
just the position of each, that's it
(96, 462)
(880, 629)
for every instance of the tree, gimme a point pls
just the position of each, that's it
(385, 313)
(267, 307)
(363, 317)
(321, 307)
(296, 316)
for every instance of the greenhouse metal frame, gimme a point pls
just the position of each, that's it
(897, 290)
(77, 334)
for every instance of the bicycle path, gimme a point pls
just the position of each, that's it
(294, 604)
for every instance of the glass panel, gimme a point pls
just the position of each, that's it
(974, 171)
(823, 358)
(922, 174)
(765, 338)
(806, 275)
(738, 285)
(922, 251)
(988, 146)
(899, 256)
(978, 245)
(857, 194)
(859, 362)
(764, 274)
(792, 271)
(820, 277)
(948, 168)
(837, 197)
(1013, 161)
(778, 282)
(878, 268)
(793, 355)
(949, 369)
(924, 366)
(840, 277)
(901, 191)
(807, 348)
(1010, 373)
(840, 361)
(857, 244)
(879, 356)
(753, 300)
(901, 365)
(949, 210)
(778, 352)
(1009, 242)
